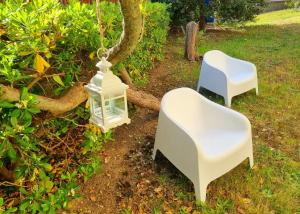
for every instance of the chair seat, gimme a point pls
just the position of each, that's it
(218, 143)
(242, 77)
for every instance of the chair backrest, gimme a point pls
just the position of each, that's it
(217, 59)
(183, 106)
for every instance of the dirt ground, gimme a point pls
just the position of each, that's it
(129, 178)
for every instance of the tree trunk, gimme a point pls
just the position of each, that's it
(190, 41)
(132, 30)
(202, 21)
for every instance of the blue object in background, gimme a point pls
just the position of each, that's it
(208, 19)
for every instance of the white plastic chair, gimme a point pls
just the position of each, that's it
(204, 140)
(226, 76)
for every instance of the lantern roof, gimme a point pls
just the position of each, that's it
(104, 65)
(105, 81)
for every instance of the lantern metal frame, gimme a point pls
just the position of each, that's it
(104, 90)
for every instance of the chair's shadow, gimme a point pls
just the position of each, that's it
(212, 96)
(167, 171)
(244, 97)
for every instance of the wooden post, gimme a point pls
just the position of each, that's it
(190, 41)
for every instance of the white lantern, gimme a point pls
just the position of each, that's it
(107, 97)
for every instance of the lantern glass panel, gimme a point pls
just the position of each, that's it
(97, 109)
(114, 109)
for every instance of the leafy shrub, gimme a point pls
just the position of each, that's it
(238, 10)
(43, 38)
(183, 11)
(151, 46)
(293, 3)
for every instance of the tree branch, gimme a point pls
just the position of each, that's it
(74, 97)
(132, 30)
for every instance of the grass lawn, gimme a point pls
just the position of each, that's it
(272, 42)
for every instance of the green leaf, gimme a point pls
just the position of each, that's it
(47, 167)
(12, 154)
(5, 104)
(27, 118)
(52, 210)
(24, 94)
(35, 207)
(11, 210)
(57, 79)
(16, 113)
(23, 191)
(24, 205)
(34, 110)
(14, 121)
(45, 207)
(48, 185)
(20, 171)
(1, 201)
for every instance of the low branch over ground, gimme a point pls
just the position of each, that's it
(74, 97)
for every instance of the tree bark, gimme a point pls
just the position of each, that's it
(74, 97)
(190, 41)
(143, 99)
(202, 21)
(125, 77)
(132, 30)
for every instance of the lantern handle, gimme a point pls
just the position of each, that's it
(101, 32)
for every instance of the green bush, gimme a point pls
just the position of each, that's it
(42, 37)
(63, 36)
(238, 10)
(183, 11)
(293, 3)
(151, 46)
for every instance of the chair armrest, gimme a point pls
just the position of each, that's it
(178, 145)
(213, 79)
(242, 65)
(218, 116)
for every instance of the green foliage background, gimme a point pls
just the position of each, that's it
(183, 11)
(66, 38)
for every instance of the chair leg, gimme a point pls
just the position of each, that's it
(251, 161)
(154, 153)
(228, 101)
(200, 191)
(198, 86)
